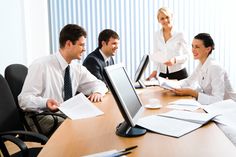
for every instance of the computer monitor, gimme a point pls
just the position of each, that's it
(126, 98)
(141, 68)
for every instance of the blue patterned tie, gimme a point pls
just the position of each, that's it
(67, 84)
(107, 63)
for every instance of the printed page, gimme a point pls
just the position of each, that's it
(79, 107)
(167, 126)
(185, 104)
(195, 117)
(227, 111)
(168, 84)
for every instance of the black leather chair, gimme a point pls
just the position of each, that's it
(11, 128)
(15, 75)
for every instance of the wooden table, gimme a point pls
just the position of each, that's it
(82, 137)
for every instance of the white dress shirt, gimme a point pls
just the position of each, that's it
(212, 82)
(163, 51)
(45, 79)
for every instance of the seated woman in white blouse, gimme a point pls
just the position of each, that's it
(210, 80)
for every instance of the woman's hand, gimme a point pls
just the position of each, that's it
(152, 75)
(170, 62)
(185, 91)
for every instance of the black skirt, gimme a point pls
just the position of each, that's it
(179, 75)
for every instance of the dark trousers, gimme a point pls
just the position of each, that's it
(179, 75)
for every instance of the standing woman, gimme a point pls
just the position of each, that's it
(170, 51)
(209, 82)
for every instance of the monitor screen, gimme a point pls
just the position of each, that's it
(141, 68)
(124, 93)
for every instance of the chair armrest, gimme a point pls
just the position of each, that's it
(50, 113)
(23, 147)
(27, 136)
(47, 113)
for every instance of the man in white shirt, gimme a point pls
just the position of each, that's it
(43, 88)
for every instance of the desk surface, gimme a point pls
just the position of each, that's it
(87, 136)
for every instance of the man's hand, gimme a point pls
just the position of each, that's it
(95, 97)
(52, 105)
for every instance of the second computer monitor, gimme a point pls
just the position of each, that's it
(141, 68)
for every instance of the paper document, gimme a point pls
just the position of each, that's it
(168, 84)
(79, 107)
(175, 123)
(227, 111)
(185, 104)
(195, 117)
(151, 83)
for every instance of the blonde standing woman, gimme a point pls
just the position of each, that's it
(170, 51)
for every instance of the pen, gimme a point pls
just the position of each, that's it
(127, 149)
(120, 154)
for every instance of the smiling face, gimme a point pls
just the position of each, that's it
(110, 48)
(199, 50)
(74, 51)
(164, 18)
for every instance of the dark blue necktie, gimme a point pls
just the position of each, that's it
(107, 63)
(67, 84)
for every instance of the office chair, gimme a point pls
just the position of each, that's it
(11, 128)
(15, 75)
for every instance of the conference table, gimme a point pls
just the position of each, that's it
(97, 134)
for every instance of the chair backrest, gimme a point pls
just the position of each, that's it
(9, 115)
(15, 75)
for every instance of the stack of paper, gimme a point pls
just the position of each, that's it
(175, 123)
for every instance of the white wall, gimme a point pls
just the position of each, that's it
(24, 31)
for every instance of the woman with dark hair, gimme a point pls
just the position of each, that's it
(209, 82)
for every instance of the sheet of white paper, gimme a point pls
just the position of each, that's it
(168, 84)
(195, 117)
(167, 126)
(79, 107)
(185, 104)
(221, 107)
(183, 107)
(227, 111)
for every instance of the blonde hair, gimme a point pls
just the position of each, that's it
(164, 10)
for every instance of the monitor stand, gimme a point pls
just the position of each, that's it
(125, 130)
(139, 84)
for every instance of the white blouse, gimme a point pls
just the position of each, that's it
(212, 82)
(176, 47)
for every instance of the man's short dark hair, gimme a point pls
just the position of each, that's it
(71, 32)
(105, 35)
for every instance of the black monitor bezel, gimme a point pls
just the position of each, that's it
(116, 94)
(141, 68)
